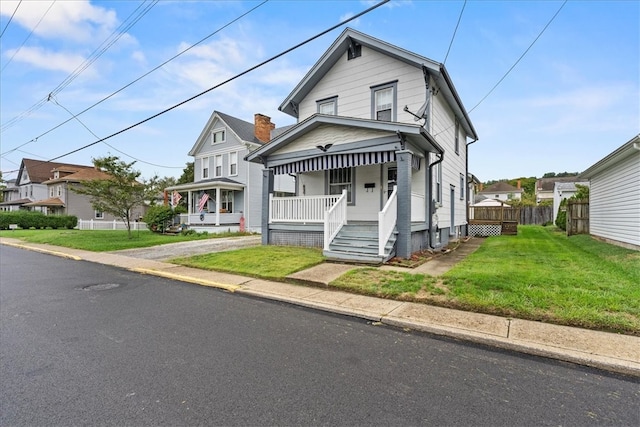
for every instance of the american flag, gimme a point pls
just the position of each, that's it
(203, 202)
(175, 198)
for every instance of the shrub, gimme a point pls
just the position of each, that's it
(37, 220)
(158, 217)
(561, 218)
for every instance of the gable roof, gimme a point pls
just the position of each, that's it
(501, 187)
(86, 174)
(341, 45)
(547, 184)
(40, 171)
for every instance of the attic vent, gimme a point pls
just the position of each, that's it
(354, 51)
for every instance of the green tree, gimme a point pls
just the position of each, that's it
(120, 191)
(187, 174)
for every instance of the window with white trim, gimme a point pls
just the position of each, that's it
(226, 200)
(205, 167)
(438, 179)
(98, 215)
(328, 106)
(58, 190)
(218, 166)
(218, 135)
(341, 179)
(51, 191)
(462, 187)
(233, 163)
(383, 102)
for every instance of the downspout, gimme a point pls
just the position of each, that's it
(431, 204)
(466, 179)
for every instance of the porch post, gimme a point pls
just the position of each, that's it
(403, 248)
(217, 205)
(267, 189)
(190, 207)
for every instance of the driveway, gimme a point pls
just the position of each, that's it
(196, 247)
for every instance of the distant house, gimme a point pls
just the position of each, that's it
(62, 200)
(10, 194)
(545, 187)
(29, 186)
(502, 191)
(227, 190)
(614, 196)
(379, 153)
(473, 186)
(564, 190)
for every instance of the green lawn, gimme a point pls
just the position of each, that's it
(104, 240)
(539, 274)
(269, 262)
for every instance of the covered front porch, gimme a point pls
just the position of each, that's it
(213, 205)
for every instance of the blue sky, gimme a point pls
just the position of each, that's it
(571, 100)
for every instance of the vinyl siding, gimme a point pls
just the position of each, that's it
(614, 201)
(351, 81)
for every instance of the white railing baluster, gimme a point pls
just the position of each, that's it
(387, 218)
(334, 219)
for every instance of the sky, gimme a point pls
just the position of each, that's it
(567, 94)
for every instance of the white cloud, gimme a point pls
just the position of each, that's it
(47, 60)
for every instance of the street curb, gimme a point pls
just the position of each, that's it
(44, 251)
(182, 278)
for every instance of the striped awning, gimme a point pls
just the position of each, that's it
(335, 161)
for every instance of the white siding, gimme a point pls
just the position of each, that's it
(330, 134)
(614, 201)
(351, 81)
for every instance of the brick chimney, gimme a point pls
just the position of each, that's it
(519, 184)
(263, 127)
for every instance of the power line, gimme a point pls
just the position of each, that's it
(273, 58)
(139, 78)
(97, 53)
(521, 56)
(454, 32)
(29, 36)
(11, 18)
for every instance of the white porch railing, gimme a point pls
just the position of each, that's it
(109, 225)
(334, 219)
(387, 218)
(418, 208)
(305, 209)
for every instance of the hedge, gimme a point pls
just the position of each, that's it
(38, 220)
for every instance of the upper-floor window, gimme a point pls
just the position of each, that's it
(341, 179)
(58, 190)
(218, 166)
(328, 106)
(233, 163)
(205, 167)
(51, 191)
(218, 135)
(383, 102)
(457, 136)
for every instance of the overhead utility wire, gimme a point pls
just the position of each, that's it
(106, 143)
(521, 56)
(29, 36)
(11, 18)
(226, 81)
(99, 51)
(139, 78)
(454, 32)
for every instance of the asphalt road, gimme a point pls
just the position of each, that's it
(89, 344)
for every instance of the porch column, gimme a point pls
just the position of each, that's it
(403, 244)
(267, 189)
(190, 207)
(217, 205)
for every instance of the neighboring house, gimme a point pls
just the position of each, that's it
(502, 191)
(10, 193)
(473, 186)
(545, 187)
(227, 190)
(614, 196)
(564, 190)
(62, 200)
(379, 154)
(29, 185)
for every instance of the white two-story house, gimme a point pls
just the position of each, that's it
(379, 153)
(227, 190)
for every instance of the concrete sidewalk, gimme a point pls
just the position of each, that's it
(612, 352)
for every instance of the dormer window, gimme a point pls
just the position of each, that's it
(328, 106)
(383, 102)
(218, 135)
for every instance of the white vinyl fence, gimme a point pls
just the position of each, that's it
(109, 225)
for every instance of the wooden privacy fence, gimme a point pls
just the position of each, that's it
(526, 215)
(577, 217)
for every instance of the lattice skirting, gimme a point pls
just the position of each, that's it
(293, 238)
(485, 230)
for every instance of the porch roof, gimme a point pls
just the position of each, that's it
(395, 132)
(207, 184)
(53, 201)
(15, 202)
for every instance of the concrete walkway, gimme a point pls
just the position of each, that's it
(612, 352)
